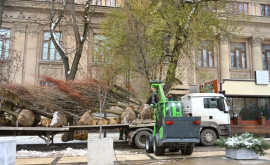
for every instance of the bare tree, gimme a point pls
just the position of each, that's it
(80, 38)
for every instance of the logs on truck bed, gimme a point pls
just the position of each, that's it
(80, 135)
(128, 116)
(26, 118)
(104, 122)
(85, 119)
(73, 98)
(146, 112)
(59, 119)
(46, 122)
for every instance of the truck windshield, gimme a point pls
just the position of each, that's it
(214, 103)
(173, 109)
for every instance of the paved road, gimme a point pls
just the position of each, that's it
(128, 155)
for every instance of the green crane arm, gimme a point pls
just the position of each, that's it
(158, 87)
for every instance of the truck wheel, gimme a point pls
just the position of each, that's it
(187, 151)
(140, 139)
(158, 150)
(174, 149)
(208, 137)
(148, 146)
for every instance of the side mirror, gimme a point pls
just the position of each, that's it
(221, 104)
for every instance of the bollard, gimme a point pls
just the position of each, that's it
(100, 151)
(7, 152)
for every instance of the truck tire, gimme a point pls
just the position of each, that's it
(140, 139)
(174, 149)
(208, 137)
(158, 150)
(187, 151)
(149, 146)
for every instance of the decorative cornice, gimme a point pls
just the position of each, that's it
(20, 27)
(223, 40)
(33, 28)
(256, 41)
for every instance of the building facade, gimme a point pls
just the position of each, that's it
(25, 39)
(26, 48)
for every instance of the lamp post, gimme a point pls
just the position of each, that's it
(167, 59)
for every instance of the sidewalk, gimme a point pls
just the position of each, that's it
(138, 158)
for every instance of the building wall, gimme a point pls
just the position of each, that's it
(254, 33)
(27, 20)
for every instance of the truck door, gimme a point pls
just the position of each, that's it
(216, 109)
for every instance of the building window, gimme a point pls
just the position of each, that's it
(266, 56)
(239, 7)
(4, 43)
(100, 51)
(49, 51)
(238, 55)
(96, 2)
(205, 55)
(111, 3)
(205, 58)
(250, 108)
(265, 10)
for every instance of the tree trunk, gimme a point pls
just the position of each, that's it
(172, 68)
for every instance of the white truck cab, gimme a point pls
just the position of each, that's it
(213, 110)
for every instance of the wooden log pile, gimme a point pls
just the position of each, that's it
(71, 98)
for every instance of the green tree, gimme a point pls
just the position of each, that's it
(142, 32)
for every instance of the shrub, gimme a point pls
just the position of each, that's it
(246, 141)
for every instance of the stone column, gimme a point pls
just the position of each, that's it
(31, 57)
(224, 58)
(20, 47)
(256, 53)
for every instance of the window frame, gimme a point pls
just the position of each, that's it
(241, 57)
(97, 2)
(263, 5)
(3, 39)
(101, 57)
(110, 5)
(201, 57)
(267, 64)
(236, 5)
(208, 102)
(49, 47)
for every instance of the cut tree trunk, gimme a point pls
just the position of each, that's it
(26, 118)
(85, 119)
(128, 116)
(59, 119)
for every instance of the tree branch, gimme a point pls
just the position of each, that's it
(56, 43)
